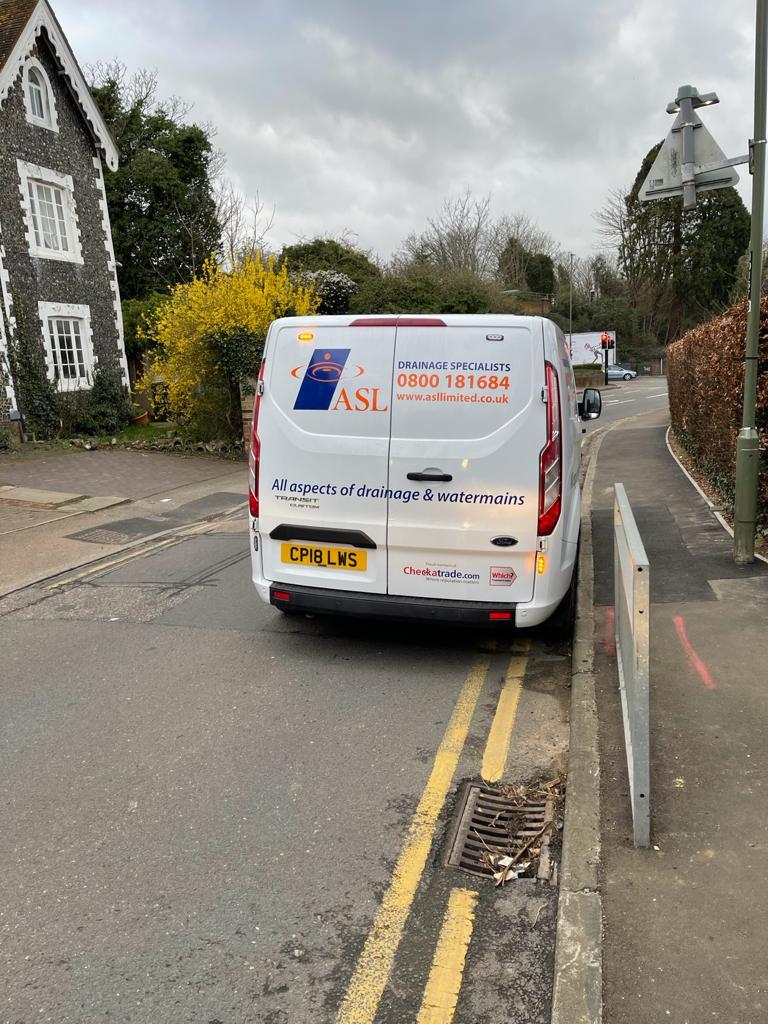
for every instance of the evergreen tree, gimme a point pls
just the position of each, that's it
(681, 265)
(160, 198)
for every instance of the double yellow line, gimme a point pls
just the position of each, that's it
(441, 994)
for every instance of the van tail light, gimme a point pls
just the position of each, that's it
(255, 452)
(551, 460)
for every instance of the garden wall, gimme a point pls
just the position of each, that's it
(705, 372)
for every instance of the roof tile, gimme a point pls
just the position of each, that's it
(14, 15)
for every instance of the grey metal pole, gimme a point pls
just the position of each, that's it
(685, 96)
(570, 307)
(748, 444)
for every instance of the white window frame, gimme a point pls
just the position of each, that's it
(49, 313)
(49, 119)
(30, 176)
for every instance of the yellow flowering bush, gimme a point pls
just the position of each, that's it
(193, 362)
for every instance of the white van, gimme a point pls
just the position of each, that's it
(418, 467)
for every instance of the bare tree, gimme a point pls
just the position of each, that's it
(614, 227)
(137, 90)
(460, 237)
(644, 245)
(244, 223)
(516, 239)
(465, 236)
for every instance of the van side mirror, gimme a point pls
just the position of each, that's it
(591, 404)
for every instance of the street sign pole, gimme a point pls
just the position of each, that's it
(685, 97)
(689, 161)
(570, 306)
(748, 444)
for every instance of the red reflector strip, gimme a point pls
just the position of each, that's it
(281, 595)
(499, 615)
(394, 321)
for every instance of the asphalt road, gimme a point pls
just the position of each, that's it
(629, 398)
(206, 805)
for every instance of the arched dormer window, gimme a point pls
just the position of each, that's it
(38, 96)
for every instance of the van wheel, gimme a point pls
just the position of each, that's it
(560, 625)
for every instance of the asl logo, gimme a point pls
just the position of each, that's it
(322, 375)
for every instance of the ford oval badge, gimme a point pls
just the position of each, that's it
(504, 542)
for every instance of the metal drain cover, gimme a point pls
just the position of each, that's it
(490, 823)
(101, 535)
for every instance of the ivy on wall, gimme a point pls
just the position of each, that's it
(47, 413)
(37, 397)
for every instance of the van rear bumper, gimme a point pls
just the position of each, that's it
(388, 606)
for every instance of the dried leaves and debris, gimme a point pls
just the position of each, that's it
(525, 794)
(526, 855)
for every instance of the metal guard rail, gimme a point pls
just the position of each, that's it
(632, 624)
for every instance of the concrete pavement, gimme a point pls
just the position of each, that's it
(684, 921)
(61, 509)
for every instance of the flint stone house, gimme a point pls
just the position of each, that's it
(58, 280)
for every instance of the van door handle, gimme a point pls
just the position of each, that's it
(431, 474)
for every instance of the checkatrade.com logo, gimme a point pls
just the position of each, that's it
(324, 384)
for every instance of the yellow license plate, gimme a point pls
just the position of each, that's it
(323, 558)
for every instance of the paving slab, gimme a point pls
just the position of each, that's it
(131, 474)
(15, 518)
(35, 496)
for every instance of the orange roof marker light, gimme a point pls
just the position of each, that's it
(306, 336)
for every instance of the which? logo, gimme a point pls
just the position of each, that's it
(320, 382)
(502, 576)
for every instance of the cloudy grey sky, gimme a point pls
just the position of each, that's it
(362, 116)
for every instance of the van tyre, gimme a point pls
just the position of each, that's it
(560, 625)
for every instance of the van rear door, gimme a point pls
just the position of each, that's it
(468, 425)
(324, 424)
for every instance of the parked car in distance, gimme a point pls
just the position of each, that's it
(617, 372)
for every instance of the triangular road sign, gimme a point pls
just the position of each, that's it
(665, 177)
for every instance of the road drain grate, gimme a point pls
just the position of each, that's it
(101, 535)
(491, 825)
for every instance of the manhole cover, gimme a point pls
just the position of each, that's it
(99, 535)
(491, 825)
